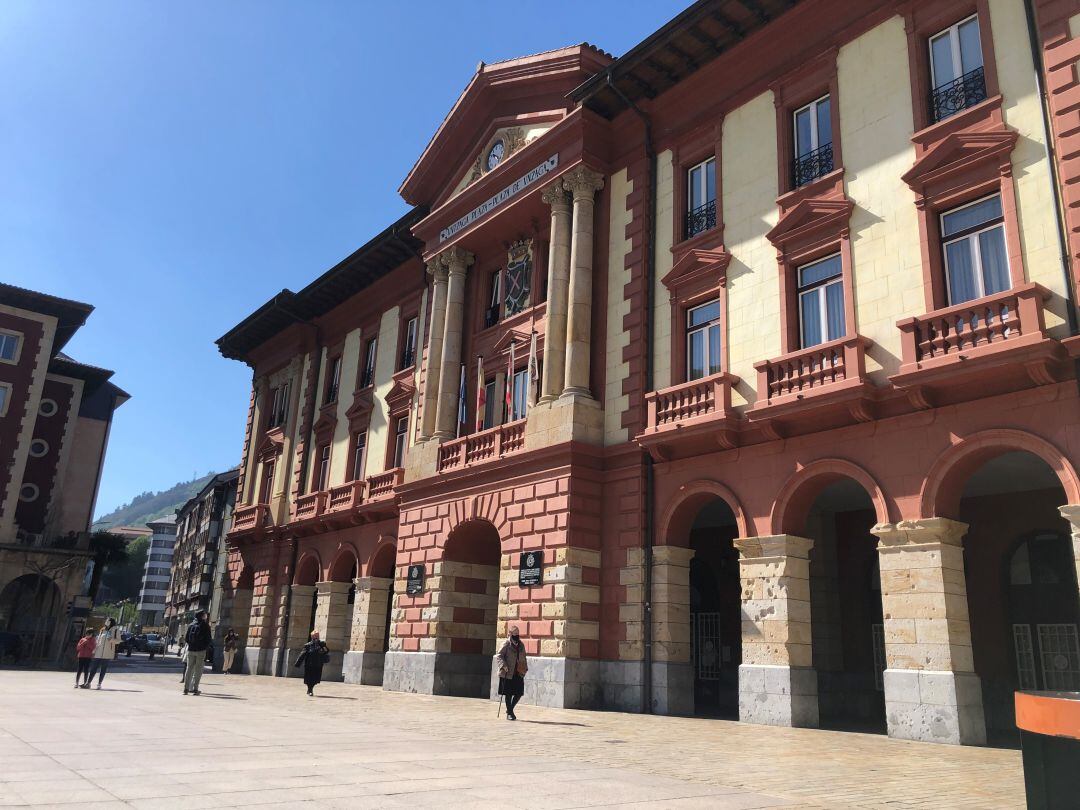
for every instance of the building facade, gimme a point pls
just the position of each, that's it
(199, 565)
(55, 416)
(157, 572)
(739, 372)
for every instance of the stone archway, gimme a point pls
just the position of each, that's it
(302, 609)
(696, 609)
(334, 601)
(30, 607)
(236, 613)
(370, 630)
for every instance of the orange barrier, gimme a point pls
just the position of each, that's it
(1052, 714)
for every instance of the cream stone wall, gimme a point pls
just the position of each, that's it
(617, 370)
(84, 449)
(1022, 110)
(342, 441)
(385, 362)
(875, 133)
(665, 200)
(59, 494)
(748, 156)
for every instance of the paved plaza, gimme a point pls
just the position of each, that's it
(250, 741)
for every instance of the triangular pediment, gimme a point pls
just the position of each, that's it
(324, 425)
(511, 102)
(400, 394)
(809, 217)
(959, 152)
(271, 443)
(513, 337)
(360, 410)
(697, 269)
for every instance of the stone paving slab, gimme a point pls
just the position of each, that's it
(255, 741)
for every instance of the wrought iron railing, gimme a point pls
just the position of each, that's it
(408, 355)
(331, 394)
(701, 219)
(368, 377)
(812, 165)
(959, 94)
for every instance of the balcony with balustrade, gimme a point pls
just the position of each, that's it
(991, 345)
(690, 417)
(349, 504)
(482, 447)
(814, 388)
(250, 519)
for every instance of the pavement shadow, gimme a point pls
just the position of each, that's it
(107, 689)
(334, 697)
(554, 723)
(220, 697)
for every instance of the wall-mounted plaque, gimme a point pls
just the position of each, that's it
(531, 569)
(415, 584)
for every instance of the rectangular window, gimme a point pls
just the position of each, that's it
(333, 380)
(956, 69)
(813, 141)
(701, 197)
(491, 314)
(279, 405)
(5, 397)
(408, 347)
(268, 482)
(519, 395)
(973, 239)
(517, 284)
(821, 301)
(401, 438)
(359, 456)
(703, 341)
(490, 403)
(9, 347)
(323, 479)
(367, 377)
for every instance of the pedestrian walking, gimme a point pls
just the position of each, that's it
(104, 652)
(229, 649)
(84, 653)
(313, 655)
(513, 664)
(197, 639)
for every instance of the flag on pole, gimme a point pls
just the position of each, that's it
(461, 402)
(534, 372)
(509, 412)
(481, 394)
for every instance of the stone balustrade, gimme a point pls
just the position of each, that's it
(483, 446)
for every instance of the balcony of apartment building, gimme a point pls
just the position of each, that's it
(687, 417)
(355, 502)
(988, 345)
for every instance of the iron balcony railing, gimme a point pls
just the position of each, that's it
(812, 165)
(331, 394)
(959, 94)
(701, 219)
(408, 355)
(368, 377)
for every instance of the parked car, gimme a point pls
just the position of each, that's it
(153, 644)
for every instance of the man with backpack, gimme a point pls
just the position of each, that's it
(197, 639)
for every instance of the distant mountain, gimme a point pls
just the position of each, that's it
(152, 505)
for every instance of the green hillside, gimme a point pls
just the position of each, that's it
(152, 505)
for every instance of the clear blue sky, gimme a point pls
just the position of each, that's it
(176, 164)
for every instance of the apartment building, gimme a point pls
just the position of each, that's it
(738, 371)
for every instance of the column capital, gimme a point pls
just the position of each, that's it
(583, 182)
(921, 532)
(1071, 513)
(456, 259)
(555, 196)
(436, 268)
(776, 545)
(332, 586)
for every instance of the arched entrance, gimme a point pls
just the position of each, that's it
(29, 606)
(469, 575)
(835, 504)
(1022, 593)
(302, 609)
(334, 609)
(371, 612)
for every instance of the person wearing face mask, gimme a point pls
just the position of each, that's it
(513, 664)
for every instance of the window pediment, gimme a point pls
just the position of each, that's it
(810, 220)
(516, 337)
(400, 395)
(359, 412)
(697, 272)
(324, 425)
(271, 445)
(958, 154)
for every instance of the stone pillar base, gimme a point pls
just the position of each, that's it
(332, 669)
(558, 683)
(672, 688)
(942, 707)
(363, 667)
(455, 674)
(567, 419)
(778, 695)
(259, 660)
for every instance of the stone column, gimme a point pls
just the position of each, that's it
(777, 681)
(1071, 513)
(333, 617)
(583, 183)
(673, 677)
(435, 343)
(931, 690)
(296, 634)
(558, 293)
(367, 653)
(456, 262)
(239, 619)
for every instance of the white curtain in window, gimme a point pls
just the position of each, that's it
(834, 310)
(961, 272)
(810, 305)
(995, 264)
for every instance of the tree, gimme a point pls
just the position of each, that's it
(124, 578)
(108, 549)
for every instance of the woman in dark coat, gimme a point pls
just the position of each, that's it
(313, 655)
(513, 664)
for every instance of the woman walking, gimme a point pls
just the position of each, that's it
(513, 664)
(231, 641)
(104, 652)
(314, 654)
(84, 652)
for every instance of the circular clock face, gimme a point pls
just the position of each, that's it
(495, 156)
